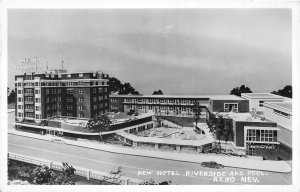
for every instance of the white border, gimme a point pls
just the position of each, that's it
(73, 4)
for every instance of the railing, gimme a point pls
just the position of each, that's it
(28, 102)
(29, 110)
(79, 170)
(28, 94)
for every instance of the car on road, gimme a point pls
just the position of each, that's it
(212, 164)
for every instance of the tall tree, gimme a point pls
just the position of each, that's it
(159, 92)
(212, 123)
(227, 130)
(220, 129)
(197, 113)
(12, 97)
(287, 91)
(99, 124)
(117, 86)
(239, 90)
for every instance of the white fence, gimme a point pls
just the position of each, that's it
(79, 170)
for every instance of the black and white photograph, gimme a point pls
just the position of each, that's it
(149, 96)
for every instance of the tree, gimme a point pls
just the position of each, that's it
(43, 175)
(11, 97)
(212, 123)
(159, 92)
(227, 130)
(116, 85)
(99, 124)
(220, 129)
(197, 113)
(239, 90)
(287, 91)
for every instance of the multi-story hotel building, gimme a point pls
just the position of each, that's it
(58, 93)
(181, 105)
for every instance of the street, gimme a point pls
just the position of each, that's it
(142, 167)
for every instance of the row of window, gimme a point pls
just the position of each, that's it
(261, 135)
(163, 108)
(159, 101)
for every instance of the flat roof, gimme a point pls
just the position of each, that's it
(280, 105)
(242, 117)
(213, 97)
(261, 96)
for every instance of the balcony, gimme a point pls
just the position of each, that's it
(28, 102)
(28, 94)
(29, 110)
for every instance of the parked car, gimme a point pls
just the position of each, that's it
(212, 164)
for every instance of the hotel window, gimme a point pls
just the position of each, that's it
(19, 114)
(140, 107)
(19, 84)
(37, 116)
(19, 106)
(80, 91)
(59, 106)
(37, 100)
(100, 90)
(105, 89)
(80, 83)
(183, 109)
(251, 135)
(81, 99)
(230, 107)
(19, 99)
(183, 101)
(19, 91)
(47, 100)
(69, 91)
(59, 99)
(37, 108)
(81, 115)
(94, 99)
(69, 99)
(192, 102)
(267, 135)
(80, 108)
(80, 74)
(95, 107)
(171, 101)
(261, 103)
(54, 107)
(70, 107)
(47, 91)
(69, 114)
(54, 91)
(59, 91)
(94, 90)
(36, 91)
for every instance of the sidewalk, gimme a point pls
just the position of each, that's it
(237, 162)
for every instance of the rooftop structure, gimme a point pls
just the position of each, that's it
(257, 100)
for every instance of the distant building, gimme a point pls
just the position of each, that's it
(177, 105)
(58, 93)
(282, 113)
(257, 100)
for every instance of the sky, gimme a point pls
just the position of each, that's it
(180, 51)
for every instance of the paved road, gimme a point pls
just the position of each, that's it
(133, 165)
